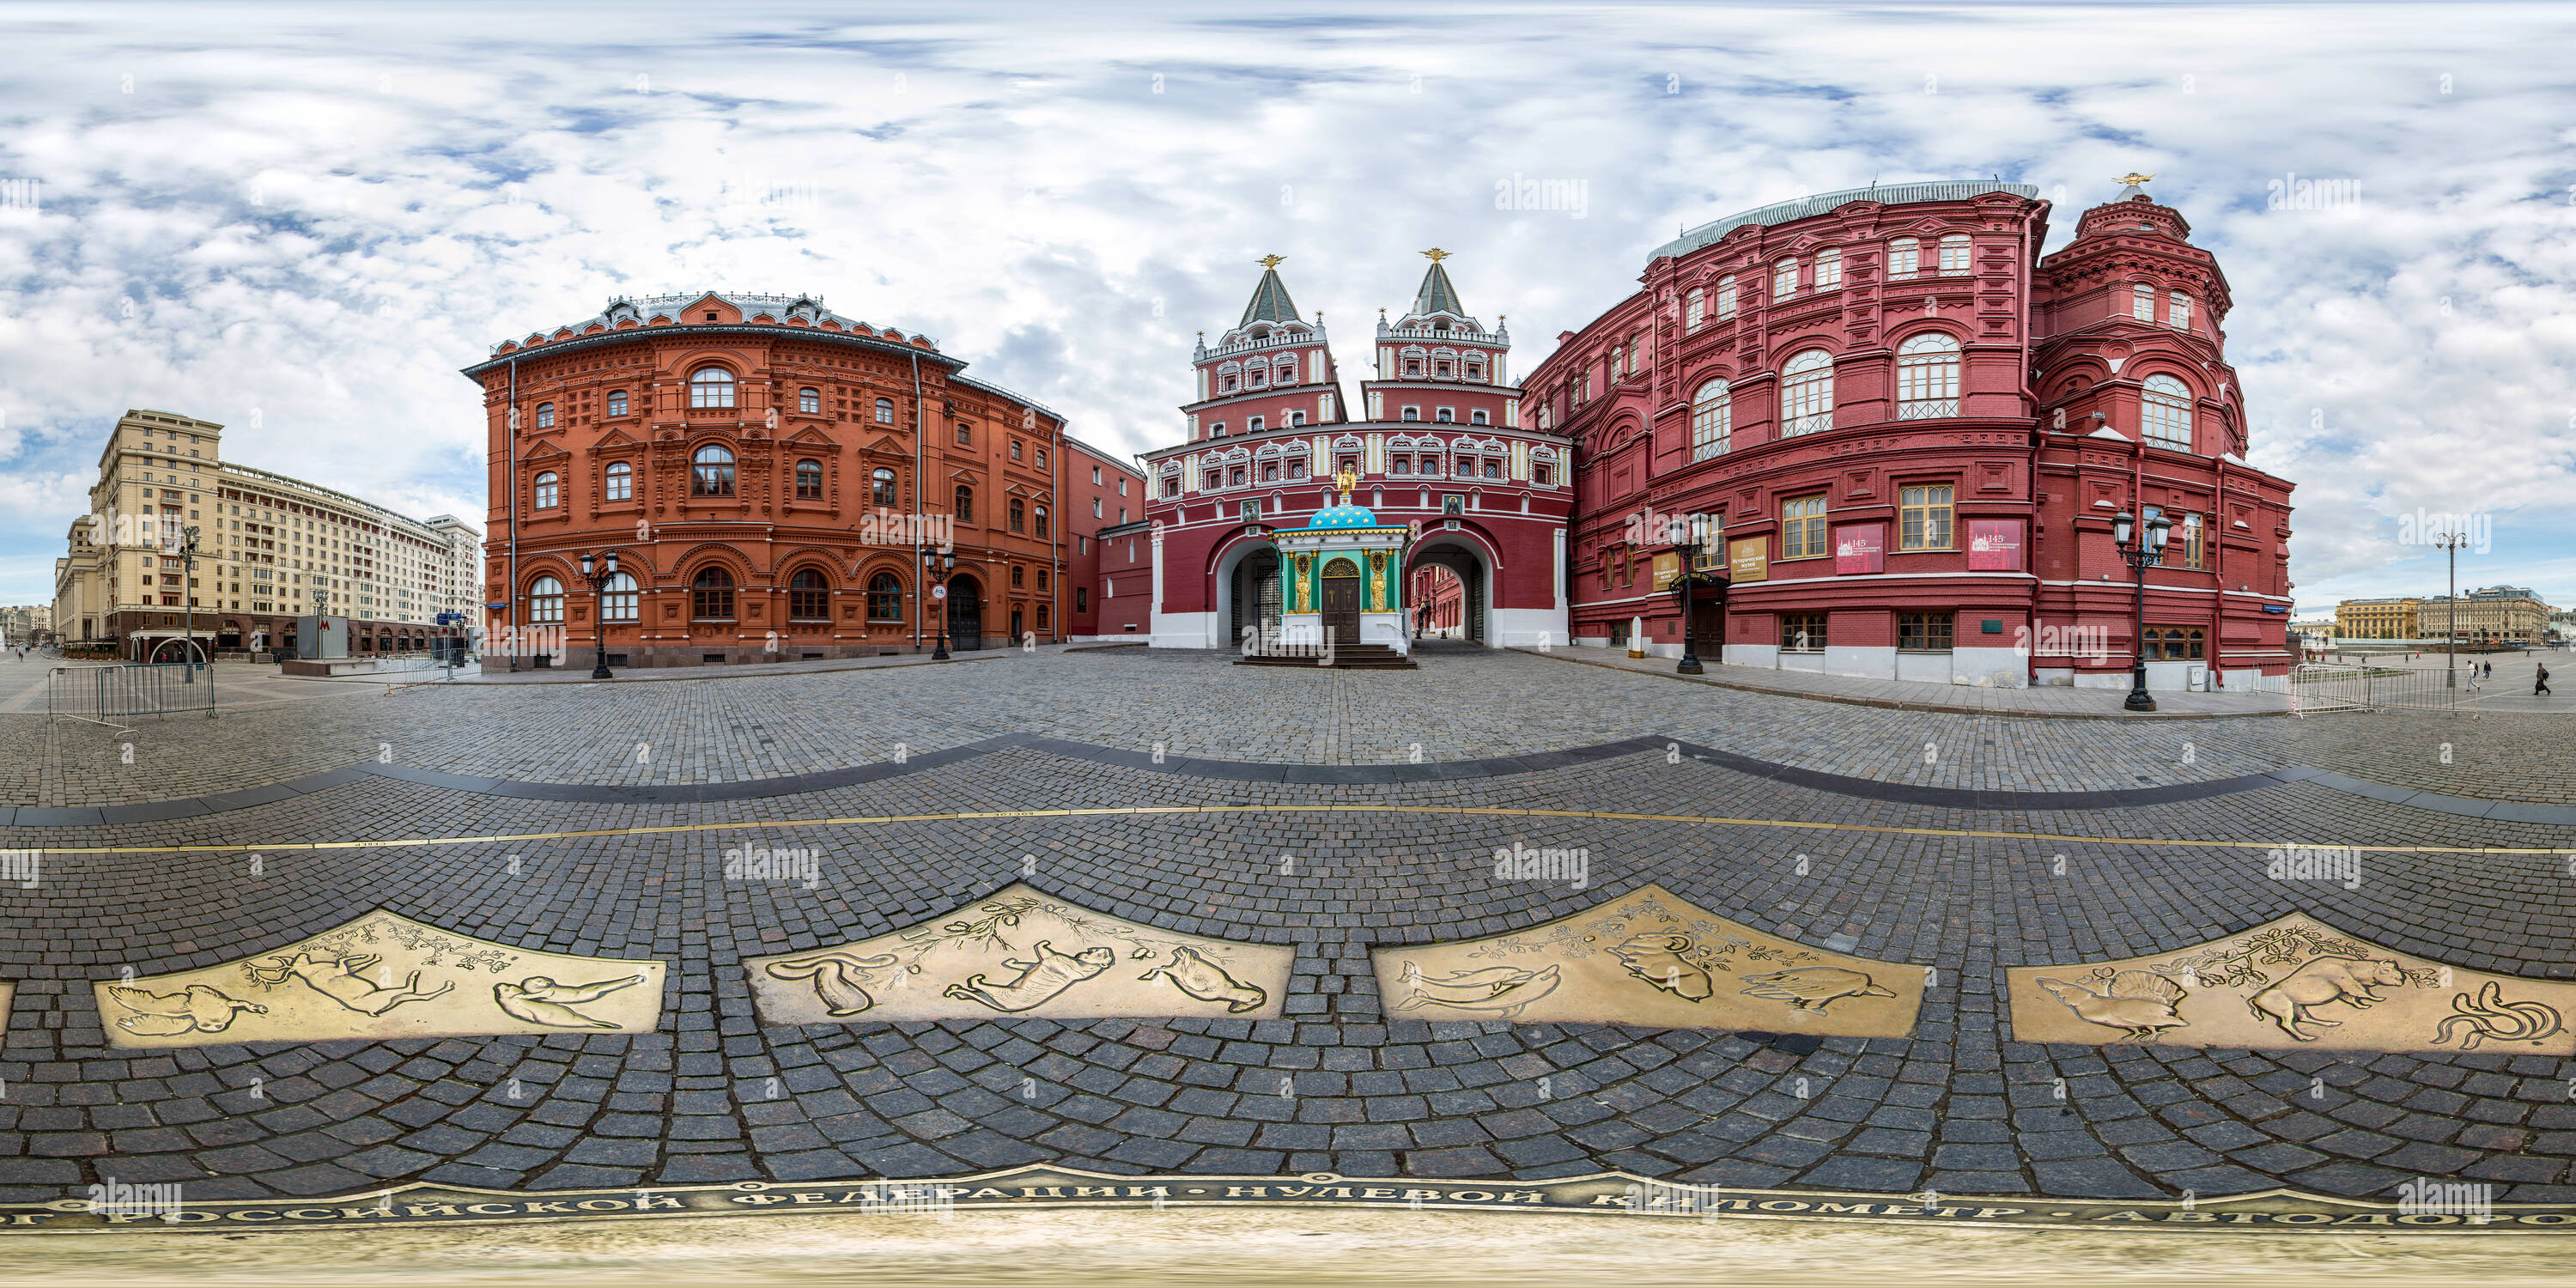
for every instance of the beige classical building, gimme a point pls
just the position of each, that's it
(2376, 619)
(269, 548)
(2489, 615)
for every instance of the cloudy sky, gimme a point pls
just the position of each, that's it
(300, 220)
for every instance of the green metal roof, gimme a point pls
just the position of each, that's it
(1270, 302)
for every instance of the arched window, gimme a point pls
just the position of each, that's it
(965, 504)
(546, 491)
(809, 597)
(1019, 513)
(2167, 416)
(809, 401)
(711, 387)
(1725, 298)
(1954, 253)
(885, 411)
(2178, 312)
(1784, 279)
(1296, 418)
(1040, 516)
(545, 415)
(617, 602)
(1829, 268)
(1712, 420)
(621, 482)
(711, 596)
(2142, 302)
(1927, 377)
(809, 480)
(545, 601)
(881, 486)
(1694, 309)
(1807, 394)
(617, 402)
(1903, 258)
(712, 475)
(885, 598)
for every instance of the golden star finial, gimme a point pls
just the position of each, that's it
(1435, 254)
(2133, 180)
(1270, 261)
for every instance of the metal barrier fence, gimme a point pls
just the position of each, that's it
(2329, 687)
(110, 695)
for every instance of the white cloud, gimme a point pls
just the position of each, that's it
(302, 234)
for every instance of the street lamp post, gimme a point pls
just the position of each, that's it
(188, 583)
(1683, 583)
(599, 608)
(2450, 543)
(939, 564)
(2145, 554)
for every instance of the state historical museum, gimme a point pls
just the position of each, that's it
(1903, 433)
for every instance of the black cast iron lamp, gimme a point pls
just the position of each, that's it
(2140, 557)
(1695, 537)
(599, 579)
(939, 564)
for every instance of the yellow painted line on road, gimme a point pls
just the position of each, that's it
(1129, 811)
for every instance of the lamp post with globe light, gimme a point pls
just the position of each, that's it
(2146, 553)
(598, 581)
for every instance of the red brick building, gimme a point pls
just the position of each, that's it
(1910, 434)
(1439, 603)
(769, 474)
(1103, 492)
(1122, 592)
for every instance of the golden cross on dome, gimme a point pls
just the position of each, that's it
(2134, 179)
(1435, 254)
(1270, 261)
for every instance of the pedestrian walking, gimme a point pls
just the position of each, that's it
(2540, 682)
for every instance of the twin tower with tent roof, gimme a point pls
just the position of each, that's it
(1440, 477)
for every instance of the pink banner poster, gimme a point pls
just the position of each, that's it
(1994, 545)
(1862, 547)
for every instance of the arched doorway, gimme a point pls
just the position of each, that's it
(176, 649)
(1466, 563)
(1255, 602)
(965, 613)
(1342, 601)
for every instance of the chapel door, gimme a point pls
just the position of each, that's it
(1342, 604)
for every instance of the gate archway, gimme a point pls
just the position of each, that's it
(1467, 562)
(1255, 602)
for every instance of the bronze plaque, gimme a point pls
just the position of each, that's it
(1651, 958)
(382, 976)
(1020, 952)
(2295, 982)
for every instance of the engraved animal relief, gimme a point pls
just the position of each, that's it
(1658, 959)
(1503, 990)
(1194, 974)
(336, 976)
(2348, 980)
(198, 1009)
(540, 1000)
(2139, 1003)
(2491, 1018)
(839, 978)
(2294, 982)
(1020, 952)
(381, 976)
(1050, 973)
(1651, 958)
(1810, 989)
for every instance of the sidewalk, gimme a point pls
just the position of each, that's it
(2044, 701)
(576, 669)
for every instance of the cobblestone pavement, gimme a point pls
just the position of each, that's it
(1464, 703)
(2035, 700)
(716, 1096)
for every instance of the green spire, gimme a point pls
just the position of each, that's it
(1437, 295)
(1270, 302)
